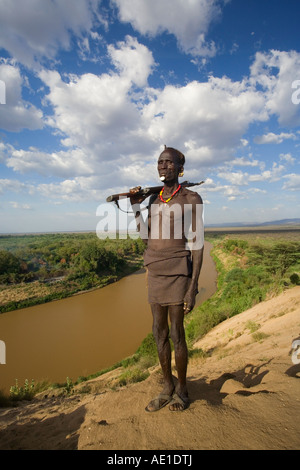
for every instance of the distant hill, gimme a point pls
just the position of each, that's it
(258, 224)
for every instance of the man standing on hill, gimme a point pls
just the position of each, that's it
(173, 263)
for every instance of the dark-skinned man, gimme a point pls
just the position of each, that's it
(173, 263)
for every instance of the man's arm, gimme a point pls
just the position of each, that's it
(190, 296)
(142, 225)
(196, 246)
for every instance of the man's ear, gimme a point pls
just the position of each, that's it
(181, 171)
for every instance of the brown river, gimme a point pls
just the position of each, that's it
(85, 333)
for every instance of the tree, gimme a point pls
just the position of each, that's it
(9, 263)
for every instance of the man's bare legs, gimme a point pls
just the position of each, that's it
(160, 330)
(161, 335)
(181, 352)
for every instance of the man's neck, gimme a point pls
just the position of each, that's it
(170, 187)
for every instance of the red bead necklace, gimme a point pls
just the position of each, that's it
(169, 199)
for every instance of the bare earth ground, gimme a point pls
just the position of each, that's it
(245, 395)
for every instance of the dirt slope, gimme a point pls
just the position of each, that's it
(245, 395)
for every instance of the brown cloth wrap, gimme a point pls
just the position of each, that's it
(169, 275)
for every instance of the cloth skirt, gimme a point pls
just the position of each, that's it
(168, 275)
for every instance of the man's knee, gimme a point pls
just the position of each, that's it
(177, 335)
(160, 333)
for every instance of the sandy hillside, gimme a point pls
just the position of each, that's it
(245, 395)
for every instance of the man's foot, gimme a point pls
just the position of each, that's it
(159, 402)
(179, 403)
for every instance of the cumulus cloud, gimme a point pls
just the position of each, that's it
(287, 157)
(31, 30)
(242, 161)
(269, 175)
(100, 113)
(187, 20)
(210, 118)
(7, 185)
(17, 205)
(123, 129)
(275, 72)
(292, 182)
(272, 138)
(236, 178)
(239, 178)
(59, 164)
(133, 60)
(17, 114)
(112, 126)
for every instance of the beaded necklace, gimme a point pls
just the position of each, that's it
(169, 199)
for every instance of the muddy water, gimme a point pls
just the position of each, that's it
(83, 334)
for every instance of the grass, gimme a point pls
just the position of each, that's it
(249, 270)
(252, 326)
(259, 336)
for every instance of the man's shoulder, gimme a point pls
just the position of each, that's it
(192, 196)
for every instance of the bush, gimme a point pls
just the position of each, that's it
(26, 392)
(148, 348)
(133, 375)
(9, 263)
(295, 279)
(238, 246)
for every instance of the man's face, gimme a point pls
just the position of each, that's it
(168, 166)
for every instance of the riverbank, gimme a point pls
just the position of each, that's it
(83, 334)
(244, 394)
(23, 295)
(35, 269)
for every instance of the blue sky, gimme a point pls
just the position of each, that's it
(91, 90)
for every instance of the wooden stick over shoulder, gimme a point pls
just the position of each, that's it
(147, 191)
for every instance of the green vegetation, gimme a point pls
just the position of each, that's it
(135, 368)
(40, 268)
(19, 393)
(250, 268)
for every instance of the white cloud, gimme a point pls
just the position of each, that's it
(78, 189)
(187, 20)
(55, 164)
(210, 118)
(235, 178)
(242, 161)
(7, 185)
(287, 157)
(113, 126)
(112, 130)
(272, 138)
(17, 114)
(31, 30)
(17, 205)
(100, 113)
(134, 61)
(269, 175)
(276, 71)
(293, 182)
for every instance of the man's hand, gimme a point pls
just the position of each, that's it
(189, 301)
(134, 197)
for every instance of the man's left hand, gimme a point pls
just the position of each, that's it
(189, 303)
